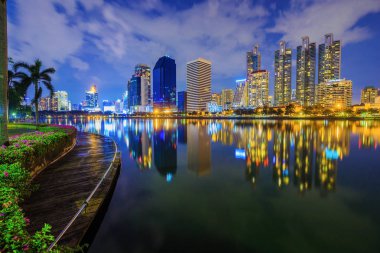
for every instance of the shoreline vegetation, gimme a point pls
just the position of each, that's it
(19, 160)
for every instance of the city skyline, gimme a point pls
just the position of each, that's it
(78, 68)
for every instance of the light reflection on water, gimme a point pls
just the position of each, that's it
(322, 161)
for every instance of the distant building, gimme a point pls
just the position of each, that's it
(59, 101)
(118, 106)
(368, 95)
(108, 106)
(282, 75)
(329, 59)
(182, 101)
(139, 90)
(164, 84)
(198, 82)
(213, 107)
(253, 60)
(44, 104)
(240, 99)
(305, 75)
(125, 102)
(91, 102)
(258, 88)
(217, 98)
(294, 95)
(335, 94)
(227, 98)
(75, 107)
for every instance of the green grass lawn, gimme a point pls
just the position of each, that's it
(14, 129)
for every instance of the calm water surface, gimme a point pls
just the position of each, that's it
(242, 186)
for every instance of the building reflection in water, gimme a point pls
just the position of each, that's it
(165, 149)
(198, 148)
(303, 153)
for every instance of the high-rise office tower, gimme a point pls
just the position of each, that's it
(227, 98)
(305, 83)
(240, 97)
(139, 89)
(258, 88)
(334, 94)
(329, 59)
(217, 98)
(182, 101)
(91, 98)
(60, 101)
(282, 75)
(44, 104)
(198, 82)
(164, 84)
(368, 95)
(253, 60)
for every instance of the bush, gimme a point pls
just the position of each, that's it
(24, 150)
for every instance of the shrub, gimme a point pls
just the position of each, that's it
(15, 159)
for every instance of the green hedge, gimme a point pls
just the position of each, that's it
(16, 161)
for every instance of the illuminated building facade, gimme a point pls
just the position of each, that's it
(217, 98)
(253, 60)
(182, 101)
(335, 94)
(227, 98)
(165, 84)
(198, 83)
(240, 97)
(44, 104)
(282, 75)
(139, 90)
(329, 59)
(305, 82)
(91, 102)
(60, 101)
(258, 88)
(369, 94)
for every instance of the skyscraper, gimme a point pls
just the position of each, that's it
(253, 60)
(91, 102)
(182, 101)
(335, 94)
(60, 101)
(305, 83)
(227, 98)
(139, 89)
(240, 97)
(368, 95)
(282, 75)
(164, 84)
(329, 59)
(198, 82)
(258, 88)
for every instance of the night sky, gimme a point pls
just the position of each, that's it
(99, 42)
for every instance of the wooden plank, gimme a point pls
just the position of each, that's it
(64, 186)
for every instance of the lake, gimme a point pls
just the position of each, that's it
(242, 186)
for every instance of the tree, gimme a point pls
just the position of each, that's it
(3, 73)
(16, 91)
(289, 109)
(36, 76)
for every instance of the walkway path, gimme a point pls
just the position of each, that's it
(65, 185)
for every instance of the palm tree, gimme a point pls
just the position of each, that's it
(36, 77)
(3, 73)
(16, 91)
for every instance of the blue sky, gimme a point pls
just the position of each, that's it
(100, 41)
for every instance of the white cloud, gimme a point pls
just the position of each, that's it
(41, 32)
(79, 64)
(325, 16)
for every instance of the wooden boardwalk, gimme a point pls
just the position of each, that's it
(64, 186)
